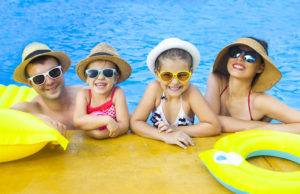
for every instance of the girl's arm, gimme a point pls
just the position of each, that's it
(84, 121)
(209, 124)
(139, 125)
(121, 111)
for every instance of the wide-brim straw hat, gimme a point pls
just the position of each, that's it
(104, 51)
(172, 43)
(34, 50)
(266, 80)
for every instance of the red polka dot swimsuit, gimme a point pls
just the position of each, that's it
(107, 109)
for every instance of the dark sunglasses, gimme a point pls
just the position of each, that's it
(94, 73)
(249, 56)
(40, 78)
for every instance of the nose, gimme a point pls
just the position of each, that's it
(49, 80)
(175, 80)
(101, 76)
(241, 57)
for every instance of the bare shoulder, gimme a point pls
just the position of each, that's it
(219, 79)
(263, 100)
(154, 85)
(30, 107)
(76, 88)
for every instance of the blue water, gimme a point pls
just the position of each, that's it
(135, 27)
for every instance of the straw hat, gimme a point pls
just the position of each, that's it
(266, 80)
(172, 43)
(34, 50)
(106, 52)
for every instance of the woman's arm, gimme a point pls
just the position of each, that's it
(208, 124)
(216, 82)
(139, 125)
(121, 111)
(271, 107)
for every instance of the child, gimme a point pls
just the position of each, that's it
(101, 110)
(172, 100)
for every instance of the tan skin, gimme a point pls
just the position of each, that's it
(193, 104)
(232, 106)
(55, 103)
(101, 88)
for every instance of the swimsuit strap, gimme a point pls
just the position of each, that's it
(248, 100)
(224, 90)
(111, 97)
(249, 105)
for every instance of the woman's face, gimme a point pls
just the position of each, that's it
(240, 68)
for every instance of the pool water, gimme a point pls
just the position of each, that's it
(134, 27)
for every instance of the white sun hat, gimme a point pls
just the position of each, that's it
(172, 43)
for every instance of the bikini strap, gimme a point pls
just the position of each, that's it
(113, 92)
(224, 90)
(249, 105)
(90, 96)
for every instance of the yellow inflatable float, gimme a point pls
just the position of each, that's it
(22, 134)
(228, 161)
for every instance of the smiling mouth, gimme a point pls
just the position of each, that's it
(175, 89)
(239, 67)
(100, 85)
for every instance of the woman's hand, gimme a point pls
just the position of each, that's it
(178, 138)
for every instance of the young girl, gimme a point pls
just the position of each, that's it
(172, 100)
(101, 110)
(235, 90)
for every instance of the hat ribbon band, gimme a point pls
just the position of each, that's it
(37, 52)
(100, 53)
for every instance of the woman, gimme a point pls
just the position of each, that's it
(235, 89)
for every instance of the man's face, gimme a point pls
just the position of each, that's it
(52, 88)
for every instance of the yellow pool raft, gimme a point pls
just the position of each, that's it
(22, 134)
(228, 163)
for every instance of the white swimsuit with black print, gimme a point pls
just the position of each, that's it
(181, 120)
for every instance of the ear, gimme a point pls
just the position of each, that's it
(116, 78)
(29, 83)
(261, 68)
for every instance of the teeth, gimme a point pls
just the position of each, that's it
(239, 67)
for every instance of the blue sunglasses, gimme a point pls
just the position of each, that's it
(249, 56)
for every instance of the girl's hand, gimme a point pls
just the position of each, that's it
(178, 138)
(163, 127)
(113, 128)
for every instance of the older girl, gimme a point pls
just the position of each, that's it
(172, 99)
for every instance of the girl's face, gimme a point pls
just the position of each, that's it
(239, 67)
(174, 87)
(102, 84)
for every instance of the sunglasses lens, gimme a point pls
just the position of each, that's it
(39, 79)
(250, 56)
(183, 76)
(166, 76)
(92, 73)
(234, 52)
(55, 73)
(109, 73)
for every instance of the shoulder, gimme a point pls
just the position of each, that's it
(218, 78)
(76, 88)
(192, 92)
(154, 85)
(30, 107)
(263, 101)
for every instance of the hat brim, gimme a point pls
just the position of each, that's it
(265, 81)
(19, 73)
(124, 67)
(173, 43)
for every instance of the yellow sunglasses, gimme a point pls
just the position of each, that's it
(168, 76)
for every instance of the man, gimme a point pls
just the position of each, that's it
(43, 70)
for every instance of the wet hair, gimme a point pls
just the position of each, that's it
(41, 60)
(174, 53)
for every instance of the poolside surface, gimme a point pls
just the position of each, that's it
(127, 164)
